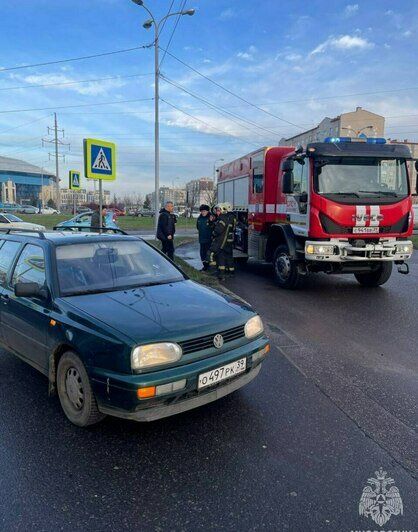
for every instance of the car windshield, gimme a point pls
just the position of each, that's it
(113, 265)
(13, 218)
(361, 176)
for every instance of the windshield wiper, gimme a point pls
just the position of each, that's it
(342, 194)
(382, 192)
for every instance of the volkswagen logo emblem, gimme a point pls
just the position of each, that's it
(218, 341)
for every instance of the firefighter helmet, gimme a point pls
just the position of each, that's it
(224, 207)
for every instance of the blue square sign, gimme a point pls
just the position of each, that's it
(99, 159)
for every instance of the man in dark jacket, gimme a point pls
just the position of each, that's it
(204, 227)
(222, 245)
(95, 220)
(166, 229)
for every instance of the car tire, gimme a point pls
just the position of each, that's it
(286, 274)
(376, 278)
(75, 393)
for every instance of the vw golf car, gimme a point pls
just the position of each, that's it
(118, 329)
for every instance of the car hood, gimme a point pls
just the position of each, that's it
(176, 311)
(26, 225)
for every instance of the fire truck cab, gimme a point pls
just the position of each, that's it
(338, 206)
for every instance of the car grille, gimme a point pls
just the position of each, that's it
(206, 342)
(331, 227)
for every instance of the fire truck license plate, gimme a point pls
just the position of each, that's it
(222, 373)
(358, 230)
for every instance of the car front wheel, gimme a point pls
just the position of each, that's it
(377, 277)
(75, 392)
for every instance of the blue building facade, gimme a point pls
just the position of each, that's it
(27, 178)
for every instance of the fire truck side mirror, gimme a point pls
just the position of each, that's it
(287, 187)
(288, 165)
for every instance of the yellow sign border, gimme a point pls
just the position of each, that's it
(88, 162)
(70, 175)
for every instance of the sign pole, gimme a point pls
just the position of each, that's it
(100, 202)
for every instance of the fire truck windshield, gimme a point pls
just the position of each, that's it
(361, 176)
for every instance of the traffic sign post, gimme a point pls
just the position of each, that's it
(74, 185)
(99, 163)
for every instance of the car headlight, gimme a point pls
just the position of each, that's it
(319, 249)
(253, 327)
(146, 356)
(404, 248)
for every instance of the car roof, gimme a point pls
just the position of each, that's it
(65, 237)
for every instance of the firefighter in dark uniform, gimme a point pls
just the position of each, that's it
(222, 246)
(204, 225)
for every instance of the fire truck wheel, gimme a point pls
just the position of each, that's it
(286, 273)
(376, 278)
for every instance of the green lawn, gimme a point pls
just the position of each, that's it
(415, 241)
(129, 223)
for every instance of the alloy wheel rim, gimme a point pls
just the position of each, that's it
(74, 388)
(283, 267)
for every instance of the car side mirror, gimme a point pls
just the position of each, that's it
(287, 165)
(288, 186)
(30, 290)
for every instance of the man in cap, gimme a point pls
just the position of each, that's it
(204, 227)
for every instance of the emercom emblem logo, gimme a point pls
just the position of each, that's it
(378, 500)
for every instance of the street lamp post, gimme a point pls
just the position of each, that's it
(147, 24)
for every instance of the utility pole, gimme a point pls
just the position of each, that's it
(57, 143)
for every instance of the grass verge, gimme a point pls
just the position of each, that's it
(414, 239)
(195, 275)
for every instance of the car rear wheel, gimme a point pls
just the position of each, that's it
(377, 277)
(286, 273)
(75, 393)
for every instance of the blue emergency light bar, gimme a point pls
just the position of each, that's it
(370, 140)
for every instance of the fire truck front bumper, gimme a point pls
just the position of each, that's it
(336, 250)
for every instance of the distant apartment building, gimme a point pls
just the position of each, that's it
(176, 195)
(199, 191)
(354, 124)
(83, 197)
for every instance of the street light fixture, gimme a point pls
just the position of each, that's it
(147, 25)
(357, 133)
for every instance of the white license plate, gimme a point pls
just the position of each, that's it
(222, 373)
(358, 230)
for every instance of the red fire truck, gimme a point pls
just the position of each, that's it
(338, 206)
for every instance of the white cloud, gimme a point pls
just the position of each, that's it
(387, 46)
(389, 13)
(227, 14)
(63, 82)
(343, 42)
(248, 55)
(350, 10)
(293, 57)
(407, 33)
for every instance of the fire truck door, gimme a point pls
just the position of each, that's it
(297, 202)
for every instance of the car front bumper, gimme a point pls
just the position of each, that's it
(343, 251)
(116, 393)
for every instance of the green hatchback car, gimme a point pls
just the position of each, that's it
(119, 329)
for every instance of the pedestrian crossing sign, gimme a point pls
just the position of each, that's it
(74, 180)
(100, 159)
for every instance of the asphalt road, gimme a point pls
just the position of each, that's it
(293, 450)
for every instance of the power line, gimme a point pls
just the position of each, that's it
(202, 121)
(25, 124)
(103, 54)
(59, 83)
(174, 30)
(219, 109)
(73, 106)
(230, 92)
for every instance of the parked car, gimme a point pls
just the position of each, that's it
(10, 221)
(415, 213)
(10, 207)
(84, 220)
(81, 210)
(117, 211)
(98, 315)
(146, 213)
(49, 210)
(27, 209)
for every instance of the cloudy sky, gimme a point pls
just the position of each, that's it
(236, 76)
